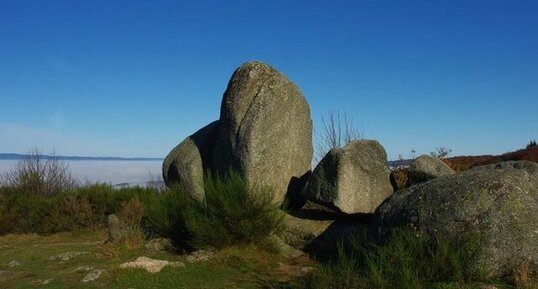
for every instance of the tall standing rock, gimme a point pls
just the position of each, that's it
(266, 130)
(353, 179)
(187, 162)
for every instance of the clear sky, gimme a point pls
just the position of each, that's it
(133, 78)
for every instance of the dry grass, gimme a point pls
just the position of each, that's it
(526, 276)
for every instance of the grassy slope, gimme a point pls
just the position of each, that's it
(244, 267)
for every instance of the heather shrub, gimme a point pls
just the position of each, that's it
(232, 214)
(164, 214)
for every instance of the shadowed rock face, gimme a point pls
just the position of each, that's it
(187, 162)
(426, 167)
(353, 179)
(265, 129)
(494, 204)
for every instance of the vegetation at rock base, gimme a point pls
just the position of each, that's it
(404, 261)
(233, 213)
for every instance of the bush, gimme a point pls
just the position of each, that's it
(441, 152)
(40, 175)
(233, 213)
(164, 214)
(404, 261)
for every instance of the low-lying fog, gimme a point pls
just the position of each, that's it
(113, 172)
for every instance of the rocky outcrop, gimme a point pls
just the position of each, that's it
(353, 179)
(426, 167)
(265, 129)
(494, 204)
(189, 160)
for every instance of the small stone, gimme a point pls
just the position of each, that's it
(93, 275)
(159, 245)
(42, 281)
(150, 265)
(116, 229)
(82, 269)
(13, 263)
(488, 287)
(199, 256)
(64, 257)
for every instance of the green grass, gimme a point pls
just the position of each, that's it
(234, 267)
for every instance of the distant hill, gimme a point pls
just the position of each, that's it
(10, 156)
(461, 163)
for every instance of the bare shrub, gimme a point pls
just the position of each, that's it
(525, 275)
(80, 210)
(156, 182)
(45, 175)
(131, 212)
(336, 132)
(441, 152)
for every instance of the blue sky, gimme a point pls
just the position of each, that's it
(133, 78)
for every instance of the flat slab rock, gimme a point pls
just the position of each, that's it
(199, 256)
(64, 257)
(150, 265)
(93, 275)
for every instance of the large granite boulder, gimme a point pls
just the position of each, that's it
(265, 129)
(353, 179)
(427, 167)
(496, 205)
(189, 160)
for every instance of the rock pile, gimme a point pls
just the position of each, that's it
(265, 134)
